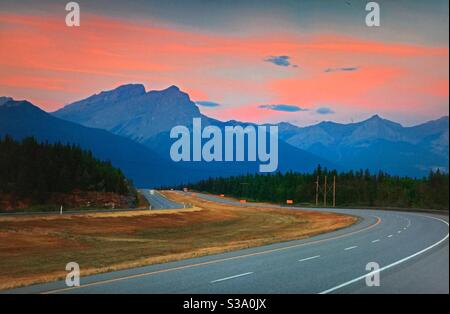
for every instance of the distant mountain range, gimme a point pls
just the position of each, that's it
(377, 144)
(144, 159)
(130, 127)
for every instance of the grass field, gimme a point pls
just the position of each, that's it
(36, 248)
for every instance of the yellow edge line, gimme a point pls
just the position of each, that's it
(212, 262)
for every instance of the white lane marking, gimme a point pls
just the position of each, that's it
(390, 265)
(308, 258)
(350, 248)
(404, 228)
(377, 240)
(232, 277)
(390, 236)
(399, 231)
(217, 261)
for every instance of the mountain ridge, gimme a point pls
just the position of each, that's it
(21, 119)
(132, 116)
(142, 164)
(146, 117)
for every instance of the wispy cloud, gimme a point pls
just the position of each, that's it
(324, 110)
(283, 61)
(344, 69)
(285, 108)
(209, 104)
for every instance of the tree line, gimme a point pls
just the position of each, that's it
(36, 170)
(353, 188)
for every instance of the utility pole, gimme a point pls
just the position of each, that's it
(317, 191)
(325, 193)
(334, 191)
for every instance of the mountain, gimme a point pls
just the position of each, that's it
(433, 135)
(147, 167)
(376, 144)
(148, 117)
(132, 112)
(21, 119)
(4, 100)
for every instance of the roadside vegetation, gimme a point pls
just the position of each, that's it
(37, 248)
(360, 188)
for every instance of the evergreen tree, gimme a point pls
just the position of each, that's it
(360, 188)
(36, 170)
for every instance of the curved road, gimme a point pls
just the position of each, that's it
(158, 201)
(411, 250)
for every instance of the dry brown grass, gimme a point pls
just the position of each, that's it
(36, 248)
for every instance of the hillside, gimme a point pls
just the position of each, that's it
(21, 119)
(33, 173)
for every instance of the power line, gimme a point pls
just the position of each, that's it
(325, 190)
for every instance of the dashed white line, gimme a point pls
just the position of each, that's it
(308, 258)
(350, 248)
(409, 223)
(232, 277)
(377, 240)
(399, 231)
(390, 236)
(393, 264)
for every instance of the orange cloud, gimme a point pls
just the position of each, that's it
(55, 64)
(350, 88)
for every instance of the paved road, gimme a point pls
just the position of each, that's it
(158, 201)
(411, 249)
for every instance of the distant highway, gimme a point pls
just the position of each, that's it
(411, 250)
(158, 201)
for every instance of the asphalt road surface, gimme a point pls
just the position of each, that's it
(158, 201)
(411, 250)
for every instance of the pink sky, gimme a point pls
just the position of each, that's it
(51, 65)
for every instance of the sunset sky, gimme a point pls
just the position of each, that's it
(260, 61)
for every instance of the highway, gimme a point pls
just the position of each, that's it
(411, 250)
(158, 201)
